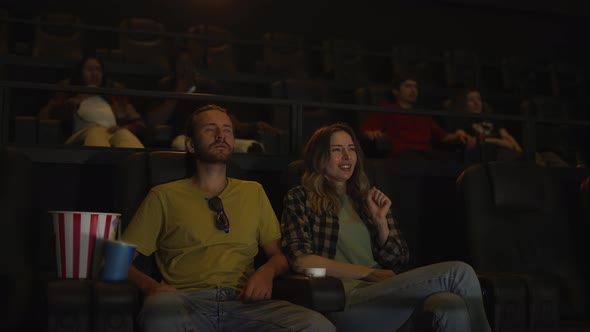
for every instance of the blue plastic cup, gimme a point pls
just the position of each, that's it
(117, 256)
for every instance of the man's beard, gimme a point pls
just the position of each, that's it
(205, 154)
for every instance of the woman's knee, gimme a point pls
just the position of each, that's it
(460, 268)
(124, 138)
(96, 136)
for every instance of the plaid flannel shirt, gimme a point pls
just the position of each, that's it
(307, 232)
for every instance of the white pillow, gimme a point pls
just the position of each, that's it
(94, 110)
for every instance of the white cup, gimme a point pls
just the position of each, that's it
(315, 272)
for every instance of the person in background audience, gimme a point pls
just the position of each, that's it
(205, 232)
(489, 131)
(411, 135)
(174, 112)
(96, 120)
(336, 221)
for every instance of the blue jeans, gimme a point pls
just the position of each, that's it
(216, 310)
(439, 297)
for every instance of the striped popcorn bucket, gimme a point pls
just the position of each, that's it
(79, 238)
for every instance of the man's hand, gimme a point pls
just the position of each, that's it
(373, 134)
(258, 287)
(378, 275)
(185, 78)
(463, 137)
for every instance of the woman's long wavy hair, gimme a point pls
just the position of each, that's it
(316, 154)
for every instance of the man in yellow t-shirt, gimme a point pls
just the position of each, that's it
(205, 232)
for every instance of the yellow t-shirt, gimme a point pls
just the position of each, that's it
(175, 222)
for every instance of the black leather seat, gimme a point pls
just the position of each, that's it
(516, 222)
(17, 271)
(309, 91)
(585, 200)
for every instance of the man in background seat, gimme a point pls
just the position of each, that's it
(411, 135)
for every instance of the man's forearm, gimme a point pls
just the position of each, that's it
(142, 280)
(277, 264)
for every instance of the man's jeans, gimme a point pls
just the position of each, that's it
(217, 310)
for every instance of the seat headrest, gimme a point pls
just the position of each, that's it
(516, 186)
(295, 171)
(166, 166)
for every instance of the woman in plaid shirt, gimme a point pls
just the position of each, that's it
(336, 221)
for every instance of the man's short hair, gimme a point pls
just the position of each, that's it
(190, 125)
(401, 78)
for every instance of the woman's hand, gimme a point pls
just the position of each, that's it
(378, 275)
(378, 204)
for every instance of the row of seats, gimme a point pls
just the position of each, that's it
(144, 41)
(522, 228)
(560, 139)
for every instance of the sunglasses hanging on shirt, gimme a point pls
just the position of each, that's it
(221, 220)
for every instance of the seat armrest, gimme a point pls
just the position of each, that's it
(516, 297)
(320, 294)
(543, 301)
(505, 301)
(115, 306)
(68, 305)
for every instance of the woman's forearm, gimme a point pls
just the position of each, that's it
(333, 268)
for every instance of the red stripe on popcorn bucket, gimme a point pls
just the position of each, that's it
(79, 238)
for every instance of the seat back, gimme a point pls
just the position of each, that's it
(215, 55)
(427, 65)
(516, 221)
(3, 32)
(552, 137)
(56, 41)
(141, 43)
(17, 244)
(284, 54)
(462, 68)
(585, 200)
(342, 59)
(313, 117)
(374, 95)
